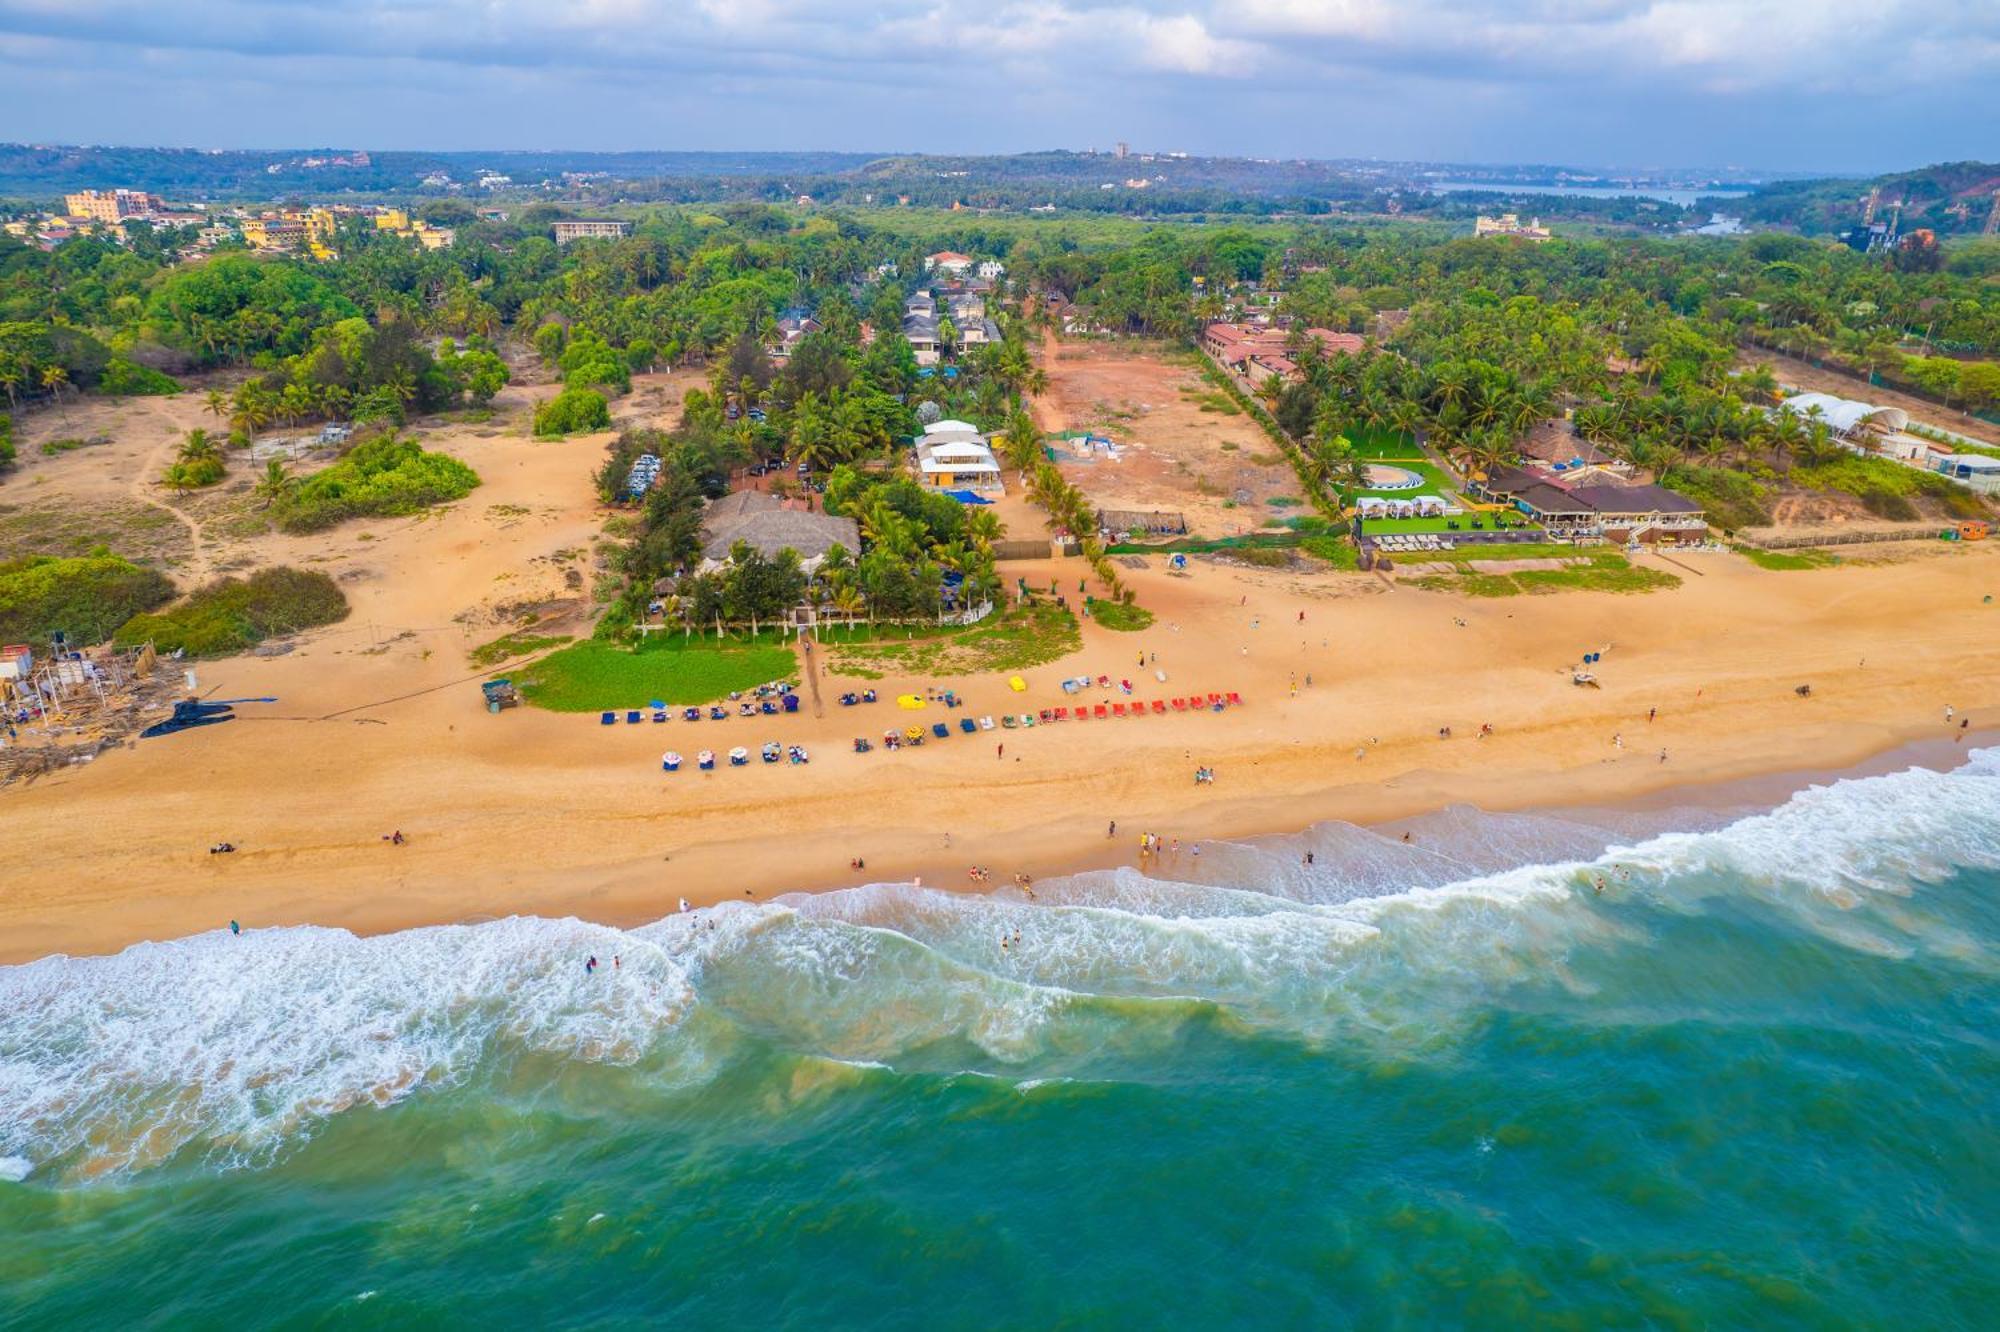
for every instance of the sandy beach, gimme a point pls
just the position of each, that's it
(380, 728)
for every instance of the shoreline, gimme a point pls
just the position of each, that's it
(1736, 790)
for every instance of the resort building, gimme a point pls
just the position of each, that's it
(949, 262)
(953, 455)
(591, 228)
(1510, 224)
(1605, 509)
(769, 525)
(1257, 353)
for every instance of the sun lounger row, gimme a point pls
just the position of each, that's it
(1414, 542)
(739, 757)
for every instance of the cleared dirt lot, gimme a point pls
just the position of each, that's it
(1794, 373)
(1215, 467)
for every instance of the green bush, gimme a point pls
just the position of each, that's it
(86, 597)
(1731, 498)
(235, 614)
(573, 411)
(195, 474)
(6, 439)
(384, 477)
(127, 379)
(1885, 488)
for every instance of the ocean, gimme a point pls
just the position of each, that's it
(1753, 1082)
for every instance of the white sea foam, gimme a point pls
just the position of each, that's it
(232, 1048)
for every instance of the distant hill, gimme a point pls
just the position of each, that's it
(1951, 198)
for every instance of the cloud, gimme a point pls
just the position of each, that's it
(1648, 79)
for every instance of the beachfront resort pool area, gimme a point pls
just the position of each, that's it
(1384, 476)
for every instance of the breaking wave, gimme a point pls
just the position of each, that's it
(229, 1050)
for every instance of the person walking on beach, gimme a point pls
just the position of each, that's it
(1000, 750)
(1663, 756)
(234, 928)
(1112, 831)
(1652, 713)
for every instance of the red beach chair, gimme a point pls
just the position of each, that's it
(1117, 709)
(1180, 705)
(1083, 714)
(1159, 705)
(1062, 714)
(1235, 699)
(1102, 711)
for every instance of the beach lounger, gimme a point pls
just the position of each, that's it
(1103, 711)
(791, 702)
(967, 725)
(1027, 719)
(632, 718)
(986, 723)
(1117, 709)
(940, 730)
(1180, 705)
(1082, 714)
(1007, 720)
(659, 716)
(1235, 699)
(1046, 716)
(1062, 714)
(608, 719)
(1159, 705)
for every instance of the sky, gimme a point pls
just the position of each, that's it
(1772, 84)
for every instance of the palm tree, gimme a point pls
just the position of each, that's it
(54, 377)
(198, 447)
(217, 403)
(277, 483)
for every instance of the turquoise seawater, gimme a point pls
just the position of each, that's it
(1753, 1083)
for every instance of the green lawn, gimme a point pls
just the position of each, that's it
(1381, 442)
(1009, 640)
(1435, 482)
(520, 643)
(593, 676)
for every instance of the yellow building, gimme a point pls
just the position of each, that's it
(392, 219)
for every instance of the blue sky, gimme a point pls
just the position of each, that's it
(1800, 84)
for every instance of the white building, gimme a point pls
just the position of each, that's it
(1844, 416)
(991, 270)
(953, 455)
(948, 261)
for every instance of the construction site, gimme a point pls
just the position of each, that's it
(69, 706)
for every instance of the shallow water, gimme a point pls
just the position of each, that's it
(1752, 1083)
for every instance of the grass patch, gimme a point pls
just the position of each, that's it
(1804, 558)
(140, 530)
(1594, 571)
(1014, 639)
(1435, 482)
(1886, 488)
(233, 615)
(1284, 501)
(595, 676)
(1336, 551)
(520, 643)
(1118, 615)
(69, 444)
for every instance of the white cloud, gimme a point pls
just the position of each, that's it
(1183, 44)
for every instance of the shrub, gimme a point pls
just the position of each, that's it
(383, 477)
(123, 378)
(86, 597)
(235, 614)
(195, 474)
(6, 439)
(573, 411)
(1731, 498)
